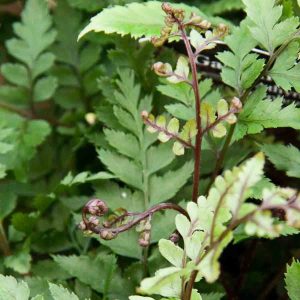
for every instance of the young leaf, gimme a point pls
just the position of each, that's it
(20, 261)
(166, 282)
(267, 28)
(58, 293)
(171, 252)
(292, 277)
(181, 72)
(10, 289)
(285, 158)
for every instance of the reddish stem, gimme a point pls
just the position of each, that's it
(197, 150)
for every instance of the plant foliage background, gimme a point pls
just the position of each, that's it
(70, 130)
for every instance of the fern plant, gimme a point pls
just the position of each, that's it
(207, 225)
(185, 163)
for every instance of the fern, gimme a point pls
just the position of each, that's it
(266, 27)
(241, 67)
(260, 113)
(132, 155)
(31, 49)
(78, 63)
(206, 234)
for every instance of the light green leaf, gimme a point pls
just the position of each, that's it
(136, 19)
(260, 113)
(171, 252)
(182, 71)
(183, 225)
(165, 187)
(195, 295)
(209, 267)
(173, 126)
(166, 282)
(10, 289)
(285, 158)
(292, 277)
(2, 171)
(267, 28)
(60, 293)
(20, 261)
(285, 72)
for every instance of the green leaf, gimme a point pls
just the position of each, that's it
(267, 28)
(181, 92)
(136, 19)
(10, 289)
(44, 88)
(60, 293)
(171, 252)
(2, 171)
(260, 113)
(33, 40)
(125, 144)
(165, 187)
(20, 261)
(83, 177)
(285, 158)
(292, 277)
(8, 201)
(180, 111)
(126, 244)
(140, 298)
(212, 296)
(126, 170)
(240, 67)
(88, 5)
(285, 72)
(220, 7)
(92, 272)
(16, 74)
(159, 157)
